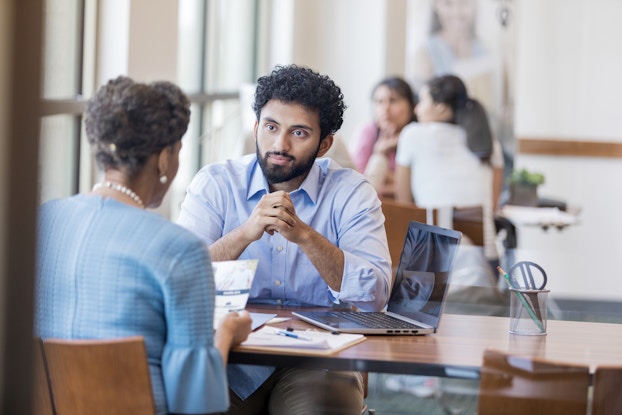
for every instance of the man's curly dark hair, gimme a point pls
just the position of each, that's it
(306, 87)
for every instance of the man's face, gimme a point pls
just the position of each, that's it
(288, 141)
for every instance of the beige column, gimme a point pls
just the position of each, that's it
(20, 54)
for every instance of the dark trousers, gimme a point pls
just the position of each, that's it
(303, 391)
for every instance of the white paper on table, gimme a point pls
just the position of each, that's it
(267, 337)
(259, 319)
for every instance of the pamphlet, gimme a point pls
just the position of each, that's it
(233, 284)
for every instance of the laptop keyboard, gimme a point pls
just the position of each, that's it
(375, 320)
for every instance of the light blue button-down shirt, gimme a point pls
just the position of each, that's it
(338, 203)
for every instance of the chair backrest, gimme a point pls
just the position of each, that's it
(99, 376)
(397, 216)
(469, 221)
(607, 397)
(42, 400)
(524, 385)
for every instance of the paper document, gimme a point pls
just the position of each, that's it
(259, 319)
(269, 337)
(233, 281)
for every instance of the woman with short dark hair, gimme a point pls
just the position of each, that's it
(107, 268)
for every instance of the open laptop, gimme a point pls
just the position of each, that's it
(418, 294)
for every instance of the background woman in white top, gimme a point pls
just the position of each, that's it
(446, 159)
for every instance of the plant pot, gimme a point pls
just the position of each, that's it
(523, 194)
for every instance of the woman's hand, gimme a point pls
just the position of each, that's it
(238, 324)
(387, 142)
(234, 328)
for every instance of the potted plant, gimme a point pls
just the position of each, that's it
(524, 187)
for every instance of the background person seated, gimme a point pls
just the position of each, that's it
(373, 145)
(446, 159)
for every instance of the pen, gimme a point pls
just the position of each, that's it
(522, 299)
(292, 335)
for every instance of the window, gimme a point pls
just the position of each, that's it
(217, 54)
(63, 104)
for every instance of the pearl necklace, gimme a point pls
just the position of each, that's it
(120, 188)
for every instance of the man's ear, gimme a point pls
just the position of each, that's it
(255, 129)
(325, 145)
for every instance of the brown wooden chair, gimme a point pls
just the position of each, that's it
(99, 377)
(42, 399)
(518, 385)
(397, 216)
(469, 221)
(607, 398)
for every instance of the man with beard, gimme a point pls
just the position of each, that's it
(316, 228)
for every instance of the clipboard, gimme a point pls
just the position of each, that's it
(319, 343)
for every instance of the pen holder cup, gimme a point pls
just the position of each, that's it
(528, 311)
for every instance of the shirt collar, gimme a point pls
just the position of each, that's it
(310, 186)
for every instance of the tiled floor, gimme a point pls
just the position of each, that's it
(457, 394)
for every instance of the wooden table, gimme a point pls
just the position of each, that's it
(456, 350)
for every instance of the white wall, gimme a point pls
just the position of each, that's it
(355, 42)
(569, 87)
(568, 77)
(581, 260)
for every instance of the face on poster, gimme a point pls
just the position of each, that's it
(473, 39)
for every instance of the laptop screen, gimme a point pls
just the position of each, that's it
(422, 277)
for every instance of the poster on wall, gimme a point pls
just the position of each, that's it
(475, 40)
